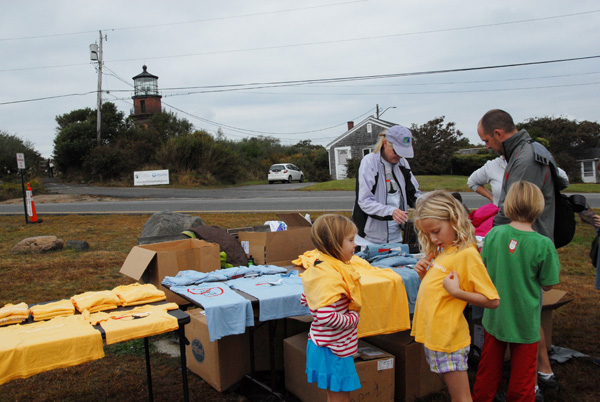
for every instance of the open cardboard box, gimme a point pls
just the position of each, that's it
(151, 263)
(375, 369)
(413, 378)
(279, 248)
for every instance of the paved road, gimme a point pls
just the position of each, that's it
(148, 200)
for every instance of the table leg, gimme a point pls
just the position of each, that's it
(183, 341)
(148, 370)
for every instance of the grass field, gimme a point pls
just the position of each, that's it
(121, 374)
(429, 183)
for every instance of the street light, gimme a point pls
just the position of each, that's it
(381, 114)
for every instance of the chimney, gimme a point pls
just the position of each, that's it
(350, 125)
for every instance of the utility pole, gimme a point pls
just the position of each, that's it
(99, 103)
(377, 108)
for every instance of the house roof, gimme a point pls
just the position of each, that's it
(588, 153)
(370, 119)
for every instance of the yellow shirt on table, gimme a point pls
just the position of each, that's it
(136, 293)
(13, 313)
(95, 301)
(140, 322)
(438, 320)
(28, 349)
(47, 311)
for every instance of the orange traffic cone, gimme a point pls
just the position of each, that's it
(31, 207)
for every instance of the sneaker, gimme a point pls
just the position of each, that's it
(539, 397)
(549, 383)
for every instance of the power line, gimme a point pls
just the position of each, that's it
(184, 22)
(246, 131)
(239, 87)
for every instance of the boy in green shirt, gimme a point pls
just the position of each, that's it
(520, 262)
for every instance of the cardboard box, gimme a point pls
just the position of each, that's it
(152, 262)
(413, 377)
(297, 324)
(222, 363)
(551, 300)
(276, 248)
(376, 374)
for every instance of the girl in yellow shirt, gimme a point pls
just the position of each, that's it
(452, 275)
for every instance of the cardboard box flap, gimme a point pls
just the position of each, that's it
(554, 298)
(136, 262)
(294, 220)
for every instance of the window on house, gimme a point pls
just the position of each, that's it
(369, 128)
(366, 151)
(143, 106)
(588, 169)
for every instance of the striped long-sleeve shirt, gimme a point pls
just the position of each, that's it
(335, 327)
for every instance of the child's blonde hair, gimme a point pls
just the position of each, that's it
(524, 202)
(440, 204)
(328, 233)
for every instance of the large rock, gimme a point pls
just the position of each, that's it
(167, 223)
(38, 244)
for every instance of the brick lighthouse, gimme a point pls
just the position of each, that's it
(146, 99)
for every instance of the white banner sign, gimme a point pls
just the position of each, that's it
(150, 177)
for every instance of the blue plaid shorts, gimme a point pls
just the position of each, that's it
(442, 362)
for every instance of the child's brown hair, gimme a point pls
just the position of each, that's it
(328, 233)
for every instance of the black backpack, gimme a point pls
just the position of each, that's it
(564, 206)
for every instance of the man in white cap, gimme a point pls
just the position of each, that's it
(385, 188)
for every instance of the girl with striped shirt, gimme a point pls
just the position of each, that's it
(332, 292)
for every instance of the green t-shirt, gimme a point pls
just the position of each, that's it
(519, 263)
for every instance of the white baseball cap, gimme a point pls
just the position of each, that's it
(401, 139)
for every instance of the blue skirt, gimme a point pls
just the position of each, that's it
(337, 374)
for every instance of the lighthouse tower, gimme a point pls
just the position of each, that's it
(146, 99)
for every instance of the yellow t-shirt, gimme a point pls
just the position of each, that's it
(438, 321)
(29, 349)
(140, 322)
(379, 294)
(136, 293)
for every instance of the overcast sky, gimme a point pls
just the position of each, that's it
(422, 59)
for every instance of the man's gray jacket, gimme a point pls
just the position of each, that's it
(529, 161)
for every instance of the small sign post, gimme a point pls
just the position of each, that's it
(21, 166)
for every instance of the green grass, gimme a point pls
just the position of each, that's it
(430, 183)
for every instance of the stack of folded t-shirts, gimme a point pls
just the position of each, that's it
(13, 313)
(134, 294)
(61, 308)
(95, 301)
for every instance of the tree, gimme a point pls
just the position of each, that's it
(434, 145)
(564, 138)
(10, 145)
(76, 134)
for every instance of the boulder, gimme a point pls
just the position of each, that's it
(78, 244)
(38, 244)
(168, 223)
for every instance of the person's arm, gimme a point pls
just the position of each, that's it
(485, 192)
(452, 285)
(478, 179)
(546, 288)
(328, 317)
(423, 265)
